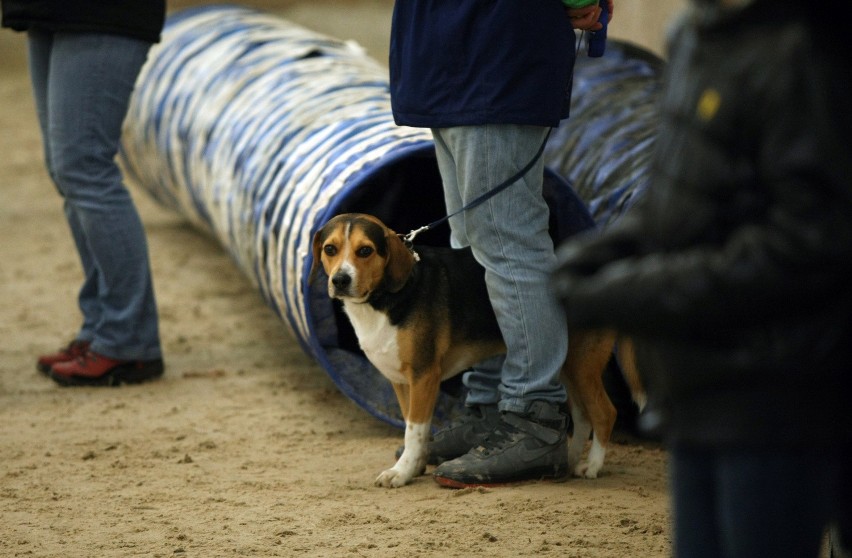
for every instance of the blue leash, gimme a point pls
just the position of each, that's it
(408, 239)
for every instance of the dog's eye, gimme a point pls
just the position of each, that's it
(329, 249)
(364, 251)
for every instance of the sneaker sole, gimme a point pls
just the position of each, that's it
(546, 474)
(121, 374)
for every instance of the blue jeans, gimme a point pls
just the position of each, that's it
(747, 503)
(82, 84)
(509, 238)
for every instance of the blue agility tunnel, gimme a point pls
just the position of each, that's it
(604, 148)
(258, 131)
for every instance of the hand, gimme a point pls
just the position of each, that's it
(586, 19)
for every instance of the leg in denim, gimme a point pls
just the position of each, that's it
(509, 237)
(82, 84)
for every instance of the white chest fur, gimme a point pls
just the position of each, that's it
(377, 338)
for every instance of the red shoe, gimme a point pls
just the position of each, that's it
(92, 369)
(74, 349)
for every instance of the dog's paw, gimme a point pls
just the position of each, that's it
(587, 470)
(392, 478)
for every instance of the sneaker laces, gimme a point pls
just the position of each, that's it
(471, 414)
(497, 440)
(75, 348)
(545, 424)
(87, 356)
(512, 427)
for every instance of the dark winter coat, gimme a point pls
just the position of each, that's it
(141, 19)
(473, 62)
(734, 273)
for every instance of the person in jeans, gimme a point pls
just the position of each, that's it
(733, 276)
(489, 79)
(84, 57)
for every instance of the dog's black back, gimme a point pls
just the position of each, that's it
(444, 278)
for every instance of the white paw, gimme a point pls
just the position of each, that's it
(393, 478)
(412, 462)
(586, 470)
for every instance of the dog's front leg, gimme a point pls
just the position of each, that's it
(422, 395)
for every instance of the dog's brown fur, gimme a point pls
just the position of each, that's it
(422, 322)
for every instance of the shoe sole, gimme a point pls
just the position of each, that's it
(546, 474)
(122, 374)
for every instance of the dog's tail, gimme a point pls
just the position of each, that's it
(625, 354)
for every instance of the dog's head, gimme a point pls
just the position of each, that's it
(360, 254)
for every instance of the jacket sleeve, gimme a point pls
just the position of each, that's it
(797, 257)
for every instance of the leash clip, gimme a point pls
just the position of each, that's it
(408, 240)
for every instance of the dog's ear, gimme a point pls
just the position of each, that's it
(400, 262)
(317, 255)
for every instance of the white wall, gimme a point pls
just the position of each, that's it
(644, 22)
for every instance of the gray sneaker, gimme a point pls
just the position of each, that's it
(461, 435)
(523, 447)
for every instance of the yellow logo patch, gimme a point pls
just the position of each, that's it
(708, 104)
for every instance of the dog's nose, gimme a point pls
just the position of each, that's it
(341, 280)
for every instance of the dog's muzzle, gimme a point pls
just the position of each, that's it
(342, 283)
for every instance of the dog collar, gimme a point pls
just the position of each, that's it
(408, 240)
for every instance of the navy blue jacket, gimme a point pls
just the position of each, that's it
(141, 19)
(470, 62)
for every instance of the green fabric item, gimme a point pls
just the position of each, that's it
(578, 3)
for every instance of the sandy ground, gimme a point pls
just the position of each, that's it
(245, 447)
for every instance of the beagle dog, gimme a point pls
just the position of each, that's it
(423, 318)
